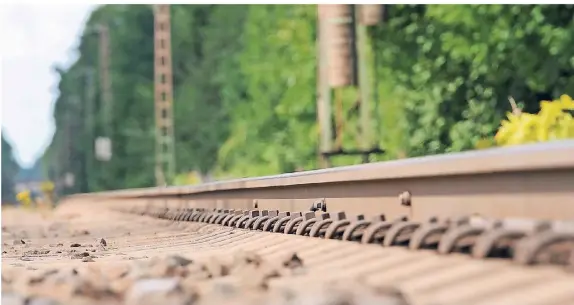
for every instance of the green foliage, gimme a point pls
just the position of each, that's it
(202, 103)
(277, 110)
(10, 169)
(457, 65)
(204, 44)
(245, 86)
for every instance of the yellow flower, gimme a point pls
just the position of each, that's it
(23, 196)
(47, 186)
(552, 122)
(566, 102)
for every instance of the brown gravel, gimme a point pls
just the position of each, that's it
(85, 254)
(132, 259)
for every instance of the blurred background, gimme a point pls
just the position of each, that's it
(253, 90)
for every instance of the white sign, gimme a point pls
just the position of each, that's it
(103, 149)
(69, 179)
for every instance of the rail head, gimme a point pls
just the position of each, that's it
(558, 155)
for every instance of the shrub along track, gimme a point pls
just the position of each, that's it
(498, 231)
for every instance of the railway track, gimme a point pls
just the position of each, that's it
(487, 227)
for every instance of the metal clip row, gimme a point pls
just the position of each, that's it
(523, 240)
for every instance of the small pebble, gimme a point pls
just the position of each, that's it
(179, 260)
(75, 245)
(41, 301)
(87, 259)
(156, 291)
(293, 261)
(12, 299)
(80, 255)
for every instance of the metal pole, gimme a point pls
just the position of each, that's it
(324, 90)
(89, 123)
(165, 144)
(362, 45)
(70, 158)
(105, 79)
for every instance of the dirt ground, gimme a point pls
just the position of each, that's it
(86, 253)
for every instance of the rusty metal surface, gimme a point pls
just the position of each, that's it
(505, 182)
(371, 14)
(519, 159)
(339, 37)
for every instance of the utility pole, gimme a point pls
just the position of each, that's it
(323, 90)
(368, 15)
(103, 143)
(365, 79)
(105, 79)
(343, 60)
(69, 178)
(165, 146)
(89, 123)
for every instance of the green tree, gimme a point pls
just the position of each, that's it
(245, 86)
(10, 169)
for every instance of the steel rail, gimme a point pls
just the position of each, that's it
(535, 181)
(437, 228)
